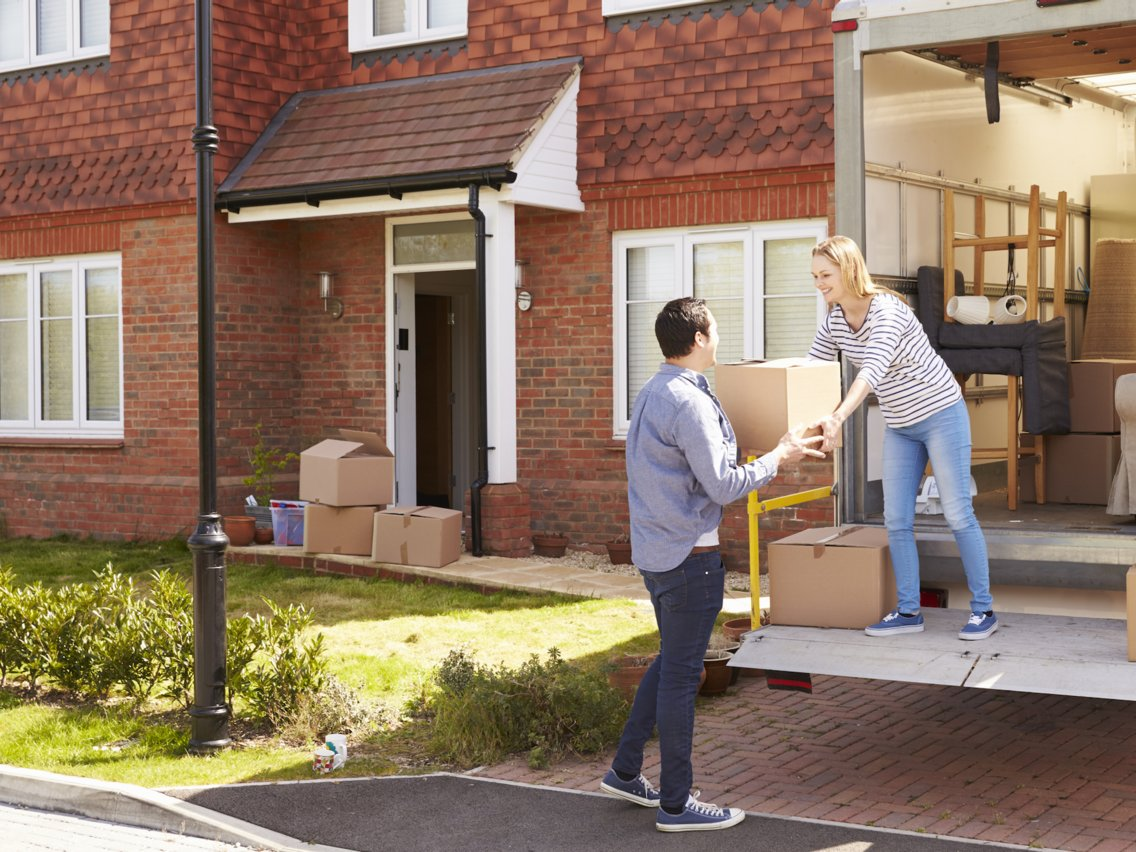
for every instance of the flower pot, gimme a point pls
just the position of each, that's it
(718, 673)
(545, 544)
(733, 630)
(262, 535)
(627, 671)
(619, 552)
(240, 529)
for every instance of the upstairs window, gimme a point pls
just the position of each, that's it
(49, 32)
(376, 24)
(61, 349)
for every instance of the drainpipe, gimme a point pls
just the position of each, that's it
(482, 378)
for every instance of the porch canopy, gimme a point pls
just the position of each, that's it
(511, 128)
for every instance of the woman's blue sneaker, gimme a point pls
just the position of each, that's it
(637, 790)
(980, 625)
(895, 623)
(697, 816)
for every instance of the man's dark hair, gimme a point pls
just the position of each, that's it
(678, 322)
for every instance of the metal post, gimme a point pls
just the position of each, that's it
(210, 712)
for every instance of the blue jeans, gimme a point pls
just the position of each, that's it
(687, 600)
(945, 439)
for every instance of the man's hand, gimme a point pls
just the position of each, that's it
(799, 442)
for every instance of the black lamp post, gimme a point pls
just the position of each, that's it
(210, 712)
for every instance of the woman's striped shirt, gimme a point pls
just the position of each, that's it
(894, 357)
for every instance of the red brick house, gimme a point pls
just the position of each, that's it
(621, 153)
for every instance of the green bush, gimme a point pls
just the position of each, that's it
(546, 708)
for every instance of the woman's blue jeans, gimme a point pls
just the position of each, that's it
(687, 600)
(945, 439)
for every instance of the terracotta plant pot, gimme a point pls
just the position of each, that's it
(240, 529)
(262, 535)
(718, 673)
(619, 552)
(733, 630)
(545, 544)
(628, 671)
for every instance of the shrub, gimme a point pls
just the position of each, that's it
(481, 714)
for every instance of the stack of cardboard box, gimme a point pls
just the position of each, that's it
(344, 481)
(1079, 467)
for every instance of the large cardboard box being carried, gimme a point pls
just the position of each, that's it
(831, 577)
(417, 535)
(765, 399)
(338, 529)
(1078, 469)
(355, 470)
(1092, 394)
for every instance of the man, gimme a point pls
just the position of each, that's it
(681, 470)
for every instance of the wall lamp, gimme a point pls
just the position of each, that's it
(524, 297)
(336, 306)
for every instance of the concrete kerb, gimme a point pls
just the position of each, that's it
(128, 804)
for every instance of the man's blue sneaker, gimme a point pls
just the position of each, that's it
(697, 816)
(637, 790)
(895, 623)
(980, 625)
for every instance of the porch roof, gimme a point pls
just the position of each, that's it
(440, 132)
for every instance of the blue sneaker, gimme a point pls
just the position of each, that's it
(894, 623)
(697, 816)
(980, 625)
(637, 790)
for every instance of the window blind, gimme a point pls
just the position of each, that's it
(51, 26)
(790, 297)
(101, 299)
(56, 350)
(14, 347)
(94, 23)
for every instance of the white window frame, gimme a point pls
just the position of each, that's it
(79, 426)
(73, 50)
(683, 240)
(623, 7)
(360, 29)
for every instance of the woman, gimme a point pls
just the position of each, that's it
(924, 415)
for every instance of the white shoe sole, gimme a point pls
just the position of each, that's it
(627, 797)
(705, 826)
(982, 635)
(890, 631)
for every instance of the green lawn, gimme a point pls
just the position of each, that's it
(382, 638)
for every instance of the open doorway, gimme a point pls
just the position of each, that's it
(436, 401)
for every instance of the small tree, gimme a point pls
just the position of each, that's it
(266, 462)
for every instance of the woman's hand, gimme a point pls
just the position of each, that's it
(830, 430)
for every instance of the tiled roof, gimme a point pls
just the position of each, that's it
(401, 133)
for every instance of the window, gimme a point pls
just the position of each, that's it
(376, 24)
(620, 7)
(756, 279)
(45, 32)
(61, 348)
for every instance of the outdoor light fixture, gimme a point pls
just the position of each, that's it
(524, 297)
(336, 309)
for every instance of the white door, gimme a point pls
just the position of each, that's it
(405, 386)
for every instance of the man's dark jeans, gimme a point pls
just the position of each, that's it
(687, 600)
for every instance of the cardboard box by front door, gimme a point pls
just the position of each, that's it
(338, 529)
(831, 577)
(1092, 394)
(355, 470)
(417, 535)
(1078, 469)
(765, 399)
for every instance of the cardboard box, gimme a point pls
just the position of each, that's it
(355, 470)
(338, 529)
(765, 399)
(287, 522)
(1130, 580)
(1078, 469)
(417, 535)
(1092, 394)
(831, 577)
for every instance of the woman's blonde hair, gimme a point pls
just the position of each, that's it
(845, 254)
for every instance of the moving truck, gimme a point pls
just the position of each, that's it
(947, 114)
